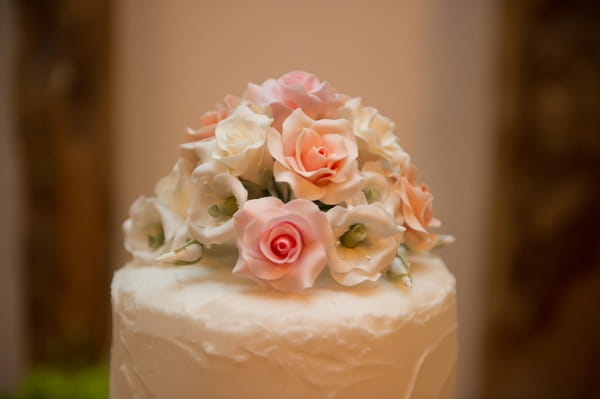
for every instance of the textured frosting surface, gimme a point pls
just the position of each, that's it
(199, 332)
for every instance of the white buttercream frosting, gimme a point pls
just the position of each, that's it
(199, 332)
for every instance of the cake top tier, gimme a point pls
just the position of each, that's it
(299, 178)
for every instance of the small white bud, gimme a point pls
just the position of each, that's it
(397, 267)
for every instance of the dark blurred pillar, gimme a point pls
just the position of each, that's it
(63, 119)
(543, 338)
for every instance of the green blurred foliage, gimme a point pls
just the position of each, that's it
(53, 383)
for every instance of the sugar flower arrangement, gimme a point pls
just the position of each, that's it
(300, 178)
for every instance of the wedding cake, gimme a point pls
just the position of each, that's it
(287, 255)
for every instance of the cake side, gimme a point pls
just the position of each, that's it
(200, 332)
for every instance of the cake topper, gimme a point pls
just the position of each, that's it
(300, 178)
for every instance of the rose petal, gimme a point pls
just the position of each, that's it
(338, 192)
(314, 158)
(292, 127)
(355, 277)
(297, 97)
(307, 139)
(275, 145)
(301, 187)
(304, 274)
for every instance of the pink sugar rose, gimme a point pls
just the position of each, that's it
(296, 89)
(281, 245)
(209, 120)
(317, 158)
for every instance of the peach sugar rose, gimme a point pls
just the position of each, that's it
(415, 212)
(317, 158)
(282, 246)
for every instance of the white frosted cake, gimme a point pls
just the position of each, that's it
(287, 255)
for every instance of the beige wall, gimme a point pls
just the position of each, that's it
(12, 351)
(426, 64)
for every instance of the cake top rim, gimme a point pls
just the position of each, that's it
(211, 295)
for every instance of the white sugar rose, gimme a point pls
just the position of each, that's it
(174, 190)
(241, 143)
(152, 229)
(367, 239)
(375, 133)
(216, 197)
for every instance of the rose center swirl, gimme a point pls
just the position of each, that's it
(282, 245)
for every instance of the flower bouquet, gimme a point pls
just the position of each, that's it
(300, 178)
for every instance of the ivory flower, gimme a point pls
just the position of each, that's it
(152, 229)
(353, 260)
(174, 190)
(241, 143)
(317, 158)
(209, 120)
(376, 184)
(296, 89)
(198, 152)
(282, 246)
(216, 196)
(375, 133)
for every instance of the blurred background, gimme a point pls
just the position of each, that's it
(498, 103)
